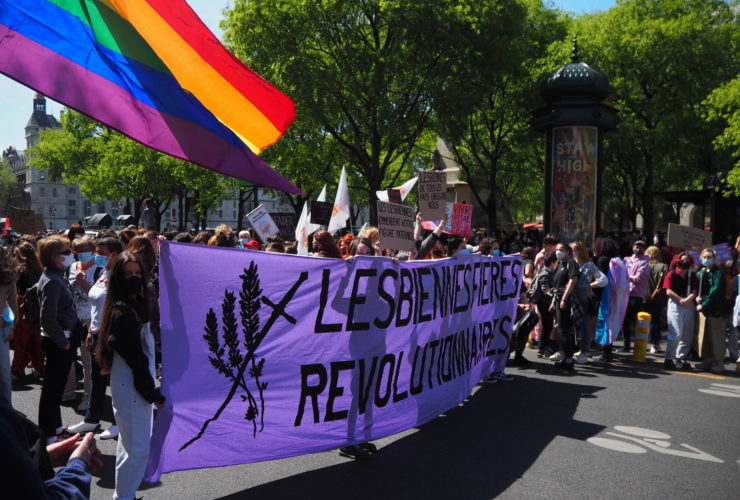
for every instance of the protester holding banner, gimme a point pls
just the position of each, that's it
(325, 246)
(126, 351)
(710, 305)
(680, 285)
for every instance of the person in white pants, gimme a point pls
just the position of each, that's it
(681, 286)
(126, 350)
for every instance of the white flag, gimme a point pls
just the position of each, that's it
(340, 213)
(304, 227)
(405, 189)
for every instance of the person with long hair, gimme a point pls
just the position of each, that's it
(106, 251)
(681, 286)
(325, 246)
(126, 351)
(605, 249)
(58, 318)
(655, 304)
(27, 334)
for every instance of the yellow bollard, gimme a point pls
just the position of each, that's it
(642, 336)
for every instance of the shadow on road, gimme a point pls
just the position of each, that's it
(475, 451)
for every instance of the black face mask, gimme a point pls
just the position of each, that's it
(133, 285)
(684, 264)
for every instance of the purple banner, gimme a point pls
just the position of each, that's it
(267, 355)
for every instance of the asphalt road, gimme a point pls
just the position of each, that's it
(623, 430)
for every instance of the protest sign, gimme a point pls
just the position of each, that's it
(432, 194)
(723, 252)
(321, 212)
(279, 355)
(394, 196)
(396, 226)
(459, 220)
(285, 223)
(688, 238)
(262, 223)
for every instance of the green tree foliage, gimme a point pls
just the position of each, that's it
(486, 120)
(365, 73)
(723, 105)
(7, 180)
(109, 165)
(663, 58)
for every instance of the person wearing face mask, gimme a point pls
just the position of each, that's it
(710, 305)
(106, 251)
(638, 274)
(680, 285)
(58, 317)
(126, 351)
(82, 274)
(568, 313)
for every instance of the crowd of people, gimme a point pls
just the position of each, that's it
(92, 300)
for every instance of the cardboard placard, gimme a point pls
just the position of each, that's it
(688, 238)
(321, 212)
(432, 194)
(262, 223)
(396, 226)
(459, 220)
(286, 224)
(723, 252)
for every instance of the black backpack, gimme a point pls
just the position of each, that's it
(534, 294)
(31, 305)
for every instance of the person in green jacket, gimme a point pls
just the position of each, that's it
(709, 300)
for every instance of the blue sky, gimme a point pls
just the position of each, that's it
(16, 101)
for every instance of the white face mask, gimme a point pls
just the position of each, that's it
(68, 260)
(560, 255)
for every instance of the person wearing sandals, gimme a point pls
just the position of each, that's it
(126, 351)
(58, 318)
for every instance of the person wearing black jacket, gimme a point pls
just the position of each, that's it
(58, 318)
(126, 351)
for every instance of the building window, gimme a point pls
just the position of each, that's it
(42, 191)
(220, 214)
(52, 210)
(72, 190)
(72, 203)
(54, 192)
(87, 207)
(72, 211)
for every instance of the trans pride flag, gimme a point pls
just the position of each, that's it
(613, 303)
(151, 70)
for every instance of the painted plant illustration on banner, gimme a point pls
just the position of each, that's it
(574, 179)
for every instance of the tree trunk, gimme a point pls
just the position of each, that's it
(647, 196)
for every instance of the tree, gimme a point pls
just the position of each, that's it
(7, 180)
(486, 121)
(663, 58)
(108, 165)
(365, 73)
(723, 105)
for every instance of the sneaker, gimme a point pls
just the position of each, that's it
(110, 433)
(686, 366)
(84, 427)
(653, 350)
(369, 447)
(582, 359)
(558, 356)
(669, 364)
(84, 403)
(503, 377)
(489, 380)
(355, 451)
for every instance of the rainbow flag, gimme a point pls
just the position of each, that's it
(154, 72)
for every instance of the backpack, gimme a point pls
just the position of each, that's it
(534, 294)
(31, 306)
